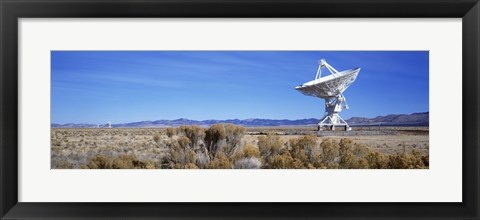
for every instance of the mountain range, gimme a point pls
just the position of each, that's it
(415, 119)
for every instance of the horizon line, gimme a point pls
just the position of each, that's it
(230, 119)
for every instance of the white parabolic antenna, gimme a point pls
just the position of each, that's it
(330, 88)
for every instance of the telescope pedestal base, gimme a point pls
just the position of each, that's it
(333, 122)
(334, 128)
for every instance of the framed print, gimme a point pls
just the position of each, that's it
(227, 109)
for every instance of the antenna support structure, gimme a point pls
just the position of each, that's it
(330, 88)
(332, 119)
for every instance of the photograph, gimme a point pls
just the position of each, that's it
(319, 109)
(239, 109)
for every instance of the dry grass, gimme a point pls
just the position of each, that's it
(225, 146)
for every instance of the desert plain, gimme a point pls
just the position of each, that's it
(226, 146)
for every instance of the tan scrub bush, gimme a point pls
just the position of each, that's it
(248, 163)
(348, 155)
(418, 160)
(194, 133)
(247, 158)
(100, 162)
(350, 161)
(202, 160)
(329, 154)
(345, 145)
(250, 151)
(270, 146)
(121, 162)
(220, 162)
(63, 164)
(124, 162)
(234, 135)
(171, 132)
(360, 150)
(215, 136)
(191, 166)
(425, 160)
(141, 164)
(156, 138)
(179, 154)
(377, 160)
(406, 161)
(281, 161)
(305, 149)
(284, 160)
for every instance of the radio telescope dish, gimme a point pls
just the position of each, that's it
(330, 88)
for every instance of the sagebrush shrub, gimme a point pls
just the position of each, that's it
(214, 137)
(63, 164)
(171, 132)
(419, 161)
(377, 160)
(250, 151)
(360, 150)
(345, 145)
(121, 162)
(425, 160)
(179, 153)
(284, 160)
(202, 160)
(350, 161)
(281, 161)
(124, 162)
(248, 163)
(183, 142)
(347, 159)
(194, 133)
(305, 149)
(329, 154)
(406, 161)
(269, 145)
(220, 162)
(351, 156)
(234, 135)
(100, 162)
(156, 138)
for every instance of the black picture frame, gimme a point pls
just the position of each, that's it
(12, 10)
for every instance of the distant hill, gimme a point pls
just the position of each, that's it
(415, 119)
(182, 121)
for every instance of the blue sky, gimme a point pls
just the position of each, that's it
(127, 86)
